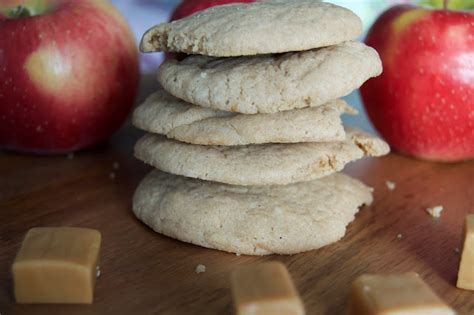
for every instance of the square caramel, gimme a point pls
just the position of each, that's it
(466, 265)
(57, 265)
(402, 294)
(265, 289)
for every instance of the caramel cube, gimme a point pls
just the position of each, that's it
(466, 266)
(57, 265)
(404, 294)
(265, 289)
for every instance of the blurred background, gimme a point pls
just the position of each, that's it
(142, 14)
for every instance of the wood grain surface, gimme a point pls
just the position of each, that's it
(146, 273)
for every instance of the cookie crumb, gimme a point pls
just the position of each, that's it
(70, 156)
(390, 185)
(399, 236)
(435, 212)
(237, 254)
(456, 250)
(200, 268)
(112, 175)
(116, 166)
(97, 271)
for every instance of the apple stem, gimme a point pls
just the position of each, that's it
(19, 11)
(445, 4)
(27, 9)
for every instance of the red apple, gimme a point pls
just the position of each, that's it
(68, 74)
(423, 103)
(188, 7)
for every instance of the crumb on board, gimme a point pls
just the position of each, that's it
(70, 156)
(399, 236)
(97, 271)
(112, 175)
(200, 268)
(116, 166)
(237, 254)
(390, 185)
(456, 250)
(435, 212)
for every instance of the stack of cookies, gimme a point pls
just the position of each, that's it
(246, 134)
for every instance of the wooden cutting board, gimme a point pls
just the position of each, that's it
(146, 273)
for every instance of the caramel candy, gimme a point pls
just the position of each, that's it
(265, 289)
(404, 294)
(466, 266)
(57, 265)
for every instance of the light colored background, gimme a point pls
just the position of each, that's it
(142, 14)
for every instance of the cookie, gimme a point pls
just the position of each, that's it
(252, 220)
(262, 164)
(271, 83)
(258, 28)
(164, 114)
